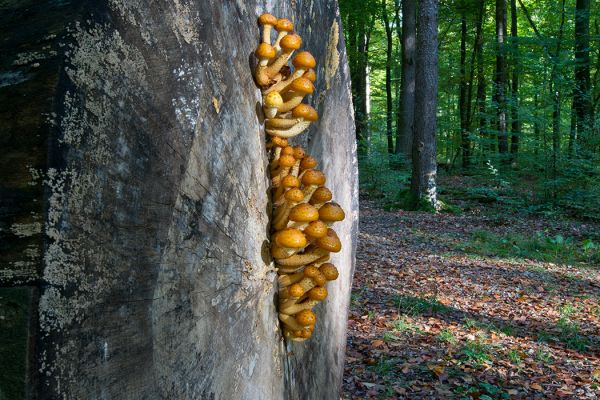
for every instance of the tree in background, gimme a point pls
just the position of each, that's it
(406, 110)
(423, 188)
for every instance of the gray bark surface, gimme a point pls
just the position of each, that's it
(155, 279)
(423, 186)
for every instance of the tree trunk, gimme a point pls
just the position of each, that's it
(515, 122)
(423, 183)
(572, 150)
(465, 144)
(389, 133)
(480, 100)
(582, 98)
(500, 76)
(148, 242)
(407, 88)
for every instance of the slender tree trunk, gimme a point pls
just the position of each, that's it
(388, 78)
(423, 183)
(582, 98)
(500, 76)
(536, 125)
(407, 86)
(572, 151)
(462, 102)
(480, 101)
(515, 122)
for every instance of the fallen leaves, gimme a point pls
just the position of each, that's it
(429, 322)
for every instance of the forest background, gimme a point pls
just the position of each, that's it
(517, 105)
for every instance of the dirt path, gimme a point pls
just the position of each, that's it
(430, 320)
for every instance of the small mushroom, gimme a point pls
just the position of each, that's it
(330, 213)
(303, 114)
(283, 27)
(285, 151)
(323, 246)
(301, 215)
(320, 196)
(267, 21)
(303, 319)
(315, 230)
(329, 271)
(288, 182)
(312, 180)
(304, 63)
(292, 197)
(289, 44)
(264, 52)
(271, 103)
(299, 154)
(284, 269)
(287, 242)
(315, 295)
(299, 88)
(285, 163)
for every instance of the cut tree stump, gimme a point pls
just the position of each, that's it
(135, 203)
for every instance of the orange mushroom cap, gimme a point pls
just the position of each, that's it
(267, 19)
(330, 242)
(329, 271)
(302, 85)
(304, 60)
(313, 177)
(284, 25)
(294, 195)
(321, 195)
(305, 111)
(318, 293)
(290, 238)
(304, 213)
(306, 317)
(316, 229)
(331, 212)
(291, 42)
(310, 74)
(265, 50)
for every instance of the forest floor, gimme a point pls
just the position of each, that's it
(470, 305)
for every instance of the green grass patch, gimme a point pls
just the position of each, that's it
(415, 306)
(447, 336)
(476, 352)
(541, 247)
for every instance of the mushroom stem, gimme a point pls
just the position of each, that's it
(289, 279)
(291, 323)
(291, 132)
(294, 269)
(296, 308)
(298, 260)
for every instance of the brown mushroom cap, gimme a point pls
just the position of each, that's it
(302, 85)
(299, 153)
(318, 293)
(319, 279)
(284, 25)
(313, 177)
(267, 19)
(273, 99)
(310, 271)
(316, 229)
(290, 181)
(290, 238)
(303, 334)
(306, 317)
(304, 60)
(330, 242)
(321, 195)
(310, 74)
(294, 195)
(280, 142)
(331, 212)
(305, 111)
(303, 213)
(308, 162)
(286, 161)
(288, 151)
(329, 271)
(291, 41)
(295, 290)
(265, 50)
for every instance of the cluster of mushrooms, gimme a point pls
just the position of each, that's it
(302, 237)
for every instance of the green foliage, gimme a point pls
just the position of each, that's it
(447, 336)
(416, 306)
(482, 391)
(540, 246)
(514, 356)
(476, 352)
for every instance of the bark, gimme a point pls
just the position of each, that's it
(582, 98)
(572, 149)
(463, 105)
(150, 186)
(480, 100)
(515, 122)
(407, 86)
(500, 76)
(423, 183)
(388, 78)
